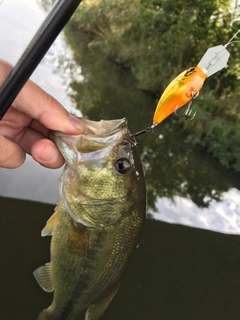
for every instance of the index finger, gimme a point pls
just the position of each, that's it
(39, 105)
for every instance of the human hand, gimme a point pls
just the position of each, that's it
(26, 126)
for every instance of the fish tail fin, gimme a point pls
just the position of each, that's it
(95, 311)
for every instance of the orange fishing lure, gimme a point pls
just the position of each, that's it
(186, 86)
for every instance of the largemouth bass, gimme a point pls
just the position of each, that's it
(97, 223)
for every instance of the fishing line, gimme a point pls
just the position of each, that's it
(230, 41)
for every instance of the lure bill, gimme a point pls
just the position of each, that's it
(186, 86)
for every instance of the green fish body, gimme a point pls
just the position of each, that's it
(97, 223)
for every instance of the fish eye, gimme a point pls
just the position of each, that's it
(122, 165)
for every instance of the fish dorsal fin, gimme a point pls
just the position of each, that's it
(44, 277)
(48, 229)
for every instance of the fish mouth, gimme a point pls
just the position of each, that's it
(96, 142)
(104, 128)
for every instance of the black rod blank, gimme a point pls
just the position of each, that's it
(37, 48)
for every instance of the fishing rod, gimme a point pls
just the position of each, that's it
(57, 18)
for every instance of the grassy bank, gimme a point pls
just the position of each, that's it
(156, 40)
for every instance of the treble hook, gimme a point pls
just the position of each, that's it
(188, 111)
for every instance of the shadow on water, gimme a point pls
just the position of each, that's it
(176, 273)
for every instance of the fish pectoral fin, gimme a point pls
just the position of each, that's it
(95, 311)
(44, 277)
(48, 229)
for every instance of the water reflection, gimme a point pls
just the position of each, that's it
(174, 169)
(221, 215)
(182, 170)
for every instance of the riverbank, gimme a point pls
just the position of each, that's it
(155, 45)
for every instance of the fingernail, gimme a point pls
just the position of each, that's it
(50, 154)
(77, 123)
